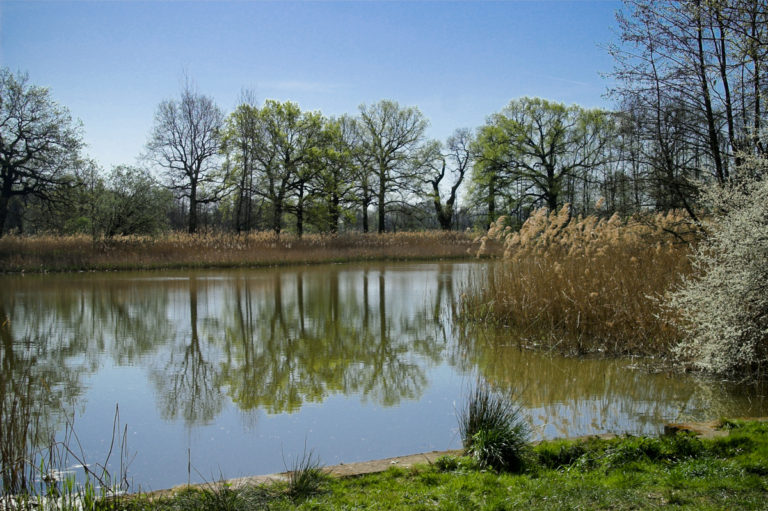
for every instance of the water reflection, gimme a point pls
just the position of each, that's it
(568, 396)
(188, 381)
(39, 382)
(259, 359)
(299, 337)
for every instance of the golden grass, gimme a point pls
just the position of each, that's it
(177, 250)
(585, 284)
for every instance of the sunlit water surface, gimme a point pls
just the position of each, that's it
(228, 373)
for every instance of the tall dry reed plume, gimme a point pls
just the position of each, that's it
(585, 284)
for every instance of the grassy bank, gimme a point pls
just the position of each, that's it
(176, 250)
(680, 472)
(584, 284)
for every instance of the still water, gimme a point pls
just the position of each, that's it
(231, 373)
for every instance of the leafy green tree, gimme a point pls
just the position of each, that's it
(39, 143)
(285, 146)
(238, 145)
(538, 147)
(392, 136)
(362, 170)
(334, 181)
(492, 172)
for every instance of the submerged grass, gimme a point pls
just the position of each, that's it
(177, 250)
(678, 472)
(585, 285)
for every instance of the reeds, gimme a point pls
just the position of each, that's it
(46, 476)
(584, 285)
(176, 250)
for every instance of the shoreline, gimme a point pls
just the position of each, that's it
(707, 429)
(246, 266)
(41, 255)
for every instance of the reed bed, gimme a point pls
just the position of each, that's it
(177, 250)
(584, 285)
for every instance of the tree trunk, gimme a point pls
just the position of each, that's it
(491, 206)
(381, 205)
(277, 215)
(365, 203)
(714, 144)
(333, 221)
(193, 209)
(300, 212)
(552, 189)
(4, 200)
(443, 213)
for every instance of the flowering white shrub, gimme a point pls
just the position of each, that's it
(723, 306)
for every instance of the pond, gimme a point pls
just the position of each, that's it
(226, 373)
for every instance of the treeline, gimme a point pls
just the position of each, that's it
(690, 75)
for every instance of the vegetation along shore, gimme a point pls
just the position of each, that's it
(223, 250)
(679, 472)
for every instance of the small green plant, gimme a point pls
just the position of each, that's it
(221, 496)
(559, 453)
(494, 430)
(447, 463)
(306, 475)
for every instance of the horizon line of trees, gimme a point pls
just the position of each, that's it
(690, 80)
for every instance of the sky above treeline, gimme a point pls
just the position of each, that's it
(111, 63)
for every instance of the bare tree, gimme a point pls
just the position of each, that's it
(39, 143)
(703, 59)
(185, 140)
(453, 162)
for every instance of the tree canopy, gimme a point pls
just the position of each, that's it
(39, 143)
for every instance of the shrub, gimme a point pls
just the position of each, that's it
(723, 306)
(493, 429)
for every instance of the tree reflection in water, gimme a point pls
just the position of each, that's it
(189, 382)
(577, 396)
(275, 340)
(51, 340)
(306, 335)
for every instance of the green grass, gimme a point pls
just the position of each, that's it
(679, 472)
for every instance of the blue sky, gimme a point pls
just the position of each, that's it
(111, 63)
